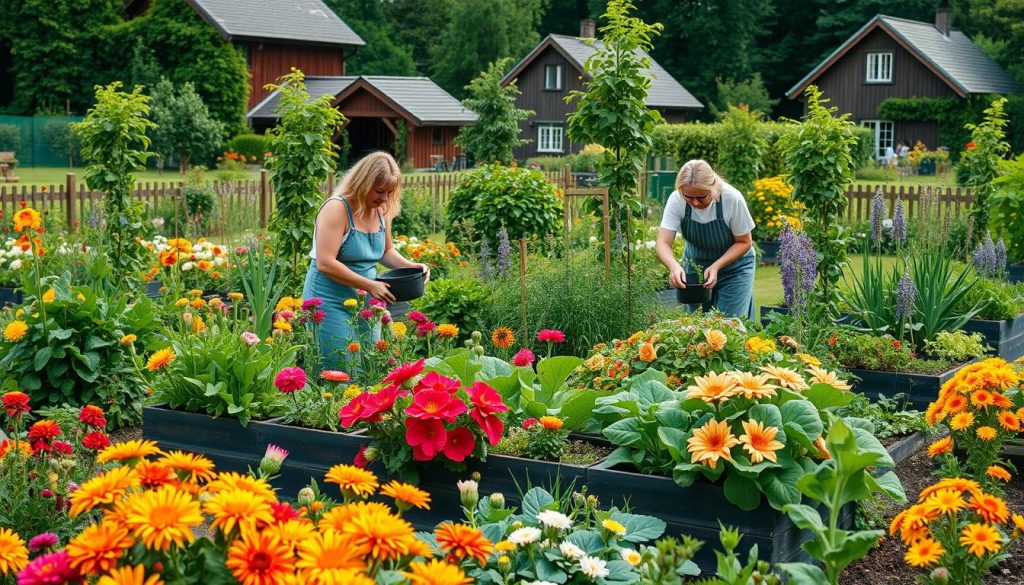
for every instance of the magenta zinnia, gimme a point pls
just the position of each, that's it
(550, 336)
(290, 379)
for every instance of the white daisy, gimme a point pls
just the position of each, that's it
(524, 536)
(570, 550)
(593, 567)
(554, 519)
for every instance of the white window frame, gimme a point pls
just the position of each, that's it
(550, 137)
(557, 68)
(878, 68)
(885, 135)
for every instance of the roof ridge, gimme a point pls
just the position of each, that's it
(394, 77)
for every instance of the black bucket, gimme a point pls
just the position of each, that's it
(405, 283)
(693, 295)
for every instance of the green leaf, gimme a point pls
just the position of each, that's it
(824, 396)
(42, 357)
(803, 574)
(803, 415)
(577, 410)
(535, 501)
(741, 491)
(768, 414)
(805, 517)
(547, 571)
(779, 485)
(624, 432)
(639, 528)
(554, 371)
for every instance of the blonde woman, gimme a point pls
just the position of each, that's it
(351, 235)
(713, 219)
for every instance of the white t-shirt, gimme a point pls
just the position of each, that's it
(734, 212)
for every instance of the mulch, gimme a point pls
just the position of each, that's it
(885, 565)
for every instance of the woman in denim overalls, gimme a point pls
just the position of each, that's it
(713, 219)
(351, 235)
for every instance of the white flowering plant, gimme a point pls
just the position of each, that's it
(563, 538)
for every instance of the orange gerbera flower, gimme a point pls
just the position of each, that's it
(944, 445)
(946, 501)
(752, 386)
(102, 490)
(996, 472)
(447, 331)
(97, 548)
(436, 572)
(27, 219)
(955, 403)
(260, 558)
(923, 553)
(1009, 421)
(130, 576)
(713, 387)
(231, 508)
(339, 516)
(189, 466)
(961, 421)
(153, 474)
(787, 378)
(648, 353)
(160, 359)
(986, 433)
(163, 517)
(983, 399)
(353, 481)
(382, 534)
(503, 337)
(13, 554)
(980, 539)
(460, 541)
(716, 339)
(168, 258)
(711, 442)
(406, 495)
(759, 441)
(128, 451)
(231, 480)
(552, 423)
(990, 508)
(959, 484)
(823, 376)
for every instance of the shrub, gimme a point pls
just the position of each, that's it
(770, 203)
(461, 302)
(63, 140)
(253, 146)
(741, 148)
(872, 352)
(1008, 207)
(417, 215)
(1001, 300)
(10, 138)
(956, 346)
(493, 196)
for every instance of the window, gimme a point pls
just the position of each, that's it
(879, 68)
(437, 136)
(552, 77)
(883, 135)
(549, 138)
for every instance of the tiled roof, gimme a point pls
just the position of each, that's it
(299, 21)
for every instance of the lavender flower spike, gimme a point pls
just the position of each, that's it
(906, 296)
(504, 251)
(1001, 255)
(878, 213)
(899, 224)
(797, 264)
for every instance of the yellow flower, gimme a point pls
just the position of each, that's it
(49, 296)
(613, 527)
(823, 376)
(98, 547)
(160, 359)
(128, 339)
(235, 296)
(15, 331)
(406, 495)
(923, 553)
(986, 433)
(27, 219)
(752, 386)
(288, 304)
(128, 451)
(996, 472)
(981, 539)
(195, 293)
(353, 481)
(447, 330)
(350, 303)
(961, 421)
(282, 325)
(130, 576)
(162, 517)
(189, 466)
(399, 328)
(244, 509)
(13, 554)
(181, 303)
(103, 490)
(435, 572)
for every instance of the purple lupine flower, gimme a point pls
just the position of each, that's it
(985, 259)
(906, 296)
(797, 264)
(504, 251)
(1001, 255)
(990, 254)
(878, 213)
(899, 224)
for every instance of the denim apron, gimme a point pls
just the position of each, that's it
(360, 251)
(705, 244)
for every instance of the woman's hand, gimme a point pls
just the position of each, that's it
(710, 276)
(677, 277)
(380, 290)
(426, 271)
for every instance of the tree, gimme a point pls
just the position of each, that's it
(980, 162)
(184, 128)
(115, 144)
(479, 33)
(750, 93)
(383, 53)
(303, 156)
(496, 132)
(418, 34)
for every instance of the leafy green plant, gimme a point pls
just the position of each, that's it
(730, 571)
(671, 564)
(252, 146)
(461, 302)
(316, 406)
(115, 144)
(418, 216)
(999, 300)
(872, 352)
(848, 476)
(10, 138)
(980, 161)
(741, 151)
(956, 346)
(891, 417)
(184, 131)
(1008, 207)
(263, 286)
(496, 132)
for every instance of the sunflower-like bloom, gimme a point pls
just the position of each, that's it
(980, 539)
(946, 501)
(163, 517)
(759, 441)
(189, 466)
(328, 553)
(436, 572)
(102, 490)
(787, 378)
(713, 387)
(260, 558)
(753, 386)
(380, 533)
(1000, 473)
(924, 553)
(227, 481)
(503, 338)
(353, 481)
(15, 331)
(711, 442)
(128, 451)
(460, 541)
(943, 445)
(406, 495)
(238, 508)
(961, 421)
(130, 576)
(823, 376)
(989, 507)
(13, 554)
(97, 548)
(160, 359)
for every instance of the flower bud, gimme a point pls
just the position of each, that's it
(476, 336)
(371, 453)
(475, 476)
(497, 500)
(272, 460)
(469, 493)
(469, 344)
(306, 496)
(478, 350)
(940, 576)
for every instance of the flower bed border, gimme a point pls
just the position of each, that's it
(921, 389)
(769, 252)
(906, 447)
(1006, 336)
(1015, 272)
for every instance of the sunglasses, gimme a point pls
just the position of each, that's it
(693, 199)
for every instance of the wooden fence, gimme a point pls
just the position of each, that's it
(248, 204)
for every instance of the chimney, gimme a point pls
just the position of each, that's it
(942, 19)
(587, 28)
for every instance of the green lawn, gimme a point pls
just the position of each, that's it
(56, 175)
(768, 284)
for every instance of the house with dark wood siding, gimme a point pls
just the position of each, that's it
(376, 108)
(897, 58)
(276, 35)
(554, 68)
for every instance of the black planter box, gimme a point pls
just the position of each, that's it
(10, 296)
(1006, 337)
(905, 448)
(201, 433)
(153, 289)
(920, 389)
(311, 452)
(697, 510)
(766, 310)
(769, 252)
(1015, 272)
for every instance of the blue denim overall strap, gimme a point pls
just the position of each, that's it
(705, 244)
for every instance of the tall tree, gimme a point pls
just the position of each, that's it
(418, 34)
(496, 132)
(479, 33)
(383, 53)
(185, 130)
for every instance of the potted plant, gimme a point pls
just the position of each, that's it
(694, 294)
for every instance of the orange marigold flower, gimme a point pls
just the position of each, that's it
(961, 421)
(503, 338)
(924, 553)
(13, 554)
(1009, 421)
(551, 422)
(260, 558)
(353, 481)
(989, 507)
(447, 331)
(460, 541)
(160, 359)
(981, 539)
(162, 517)
(648, 353)
(944, 445)
(97, 548)
(231, 508)
(711, 442)
(406, 495)
(982, 399)
(986, 433)
(996, 472)
(436, 572)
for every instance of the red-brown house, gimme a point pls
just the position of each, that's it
(276, 35)
(373, 107)
(897, 58)
(554, 68)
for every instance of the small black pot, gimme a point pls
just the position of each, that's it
(405, 283)
(693, 295)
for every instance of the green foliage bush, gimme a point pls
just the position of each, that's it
(417, 214)
(493, 196)
(10, 138)
(249, 145)
(1001, 300)
(741, 148)
(1008, 208)
(462, 302)
(63, 139)
(956, 346)
(867, 351)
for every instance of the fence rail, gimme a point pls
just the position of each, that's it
(252, 201)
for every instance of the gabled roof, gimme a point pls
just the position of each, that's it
(954, 58)
(665, 91)
(417, 98)
(295, 21)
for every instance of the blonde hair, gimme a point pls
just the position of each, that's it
(373, 170)
(698, 173)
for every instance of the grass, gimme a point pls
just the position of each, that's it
(768, 284)
(57, 175)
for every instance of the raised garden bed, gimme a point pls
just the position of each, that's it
(10, 296)
(921, 389)
(905, 447)
(769, 252)
(1006, 337)
(1015, 272)
(153, 289)
(230, 445)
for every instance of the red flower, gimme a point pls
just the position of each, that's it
(352, 412)
(460, 444)
(550, 336)
(318, 316)
(93, 416)
(426, 437)
(530, 422)
(360, 459)
(284, 512)
(971, 145)
(895, 344)
(417, 317)
(63, 447)
(487, 403)
(424, 329)
(95, 441)
(290, 379)
(523, 358)
(405, 372)
(435, 405)
(41, 433)
(381, 345)
(334, 376)
(16, 403)
(435, 381)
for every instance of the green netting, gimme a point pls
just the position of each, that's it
(37, 134)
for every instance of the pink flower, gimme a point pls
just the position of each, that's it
(290, 379)
(487, 403)
(377, 303)
(424, 329)
(318, 316)
(49, 568)
(275, 454)
(523, 358)
(250, 338)
(241, 250)
(426, 437)
(435, 404)
(403, 374)
(361, 292)
(385, 318)
(360, 458)
(44, 541)
(313, 303)
(435, 381)
(417, 317)
(460, 444)
(366, 314)
(550, 336)
(286, 315)
(530, 422)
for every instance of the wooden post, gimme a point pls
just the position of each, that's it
(605, 208)
(264, 198)
(330, 183)
(70, 203)
(435, 191)
(522, 282)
